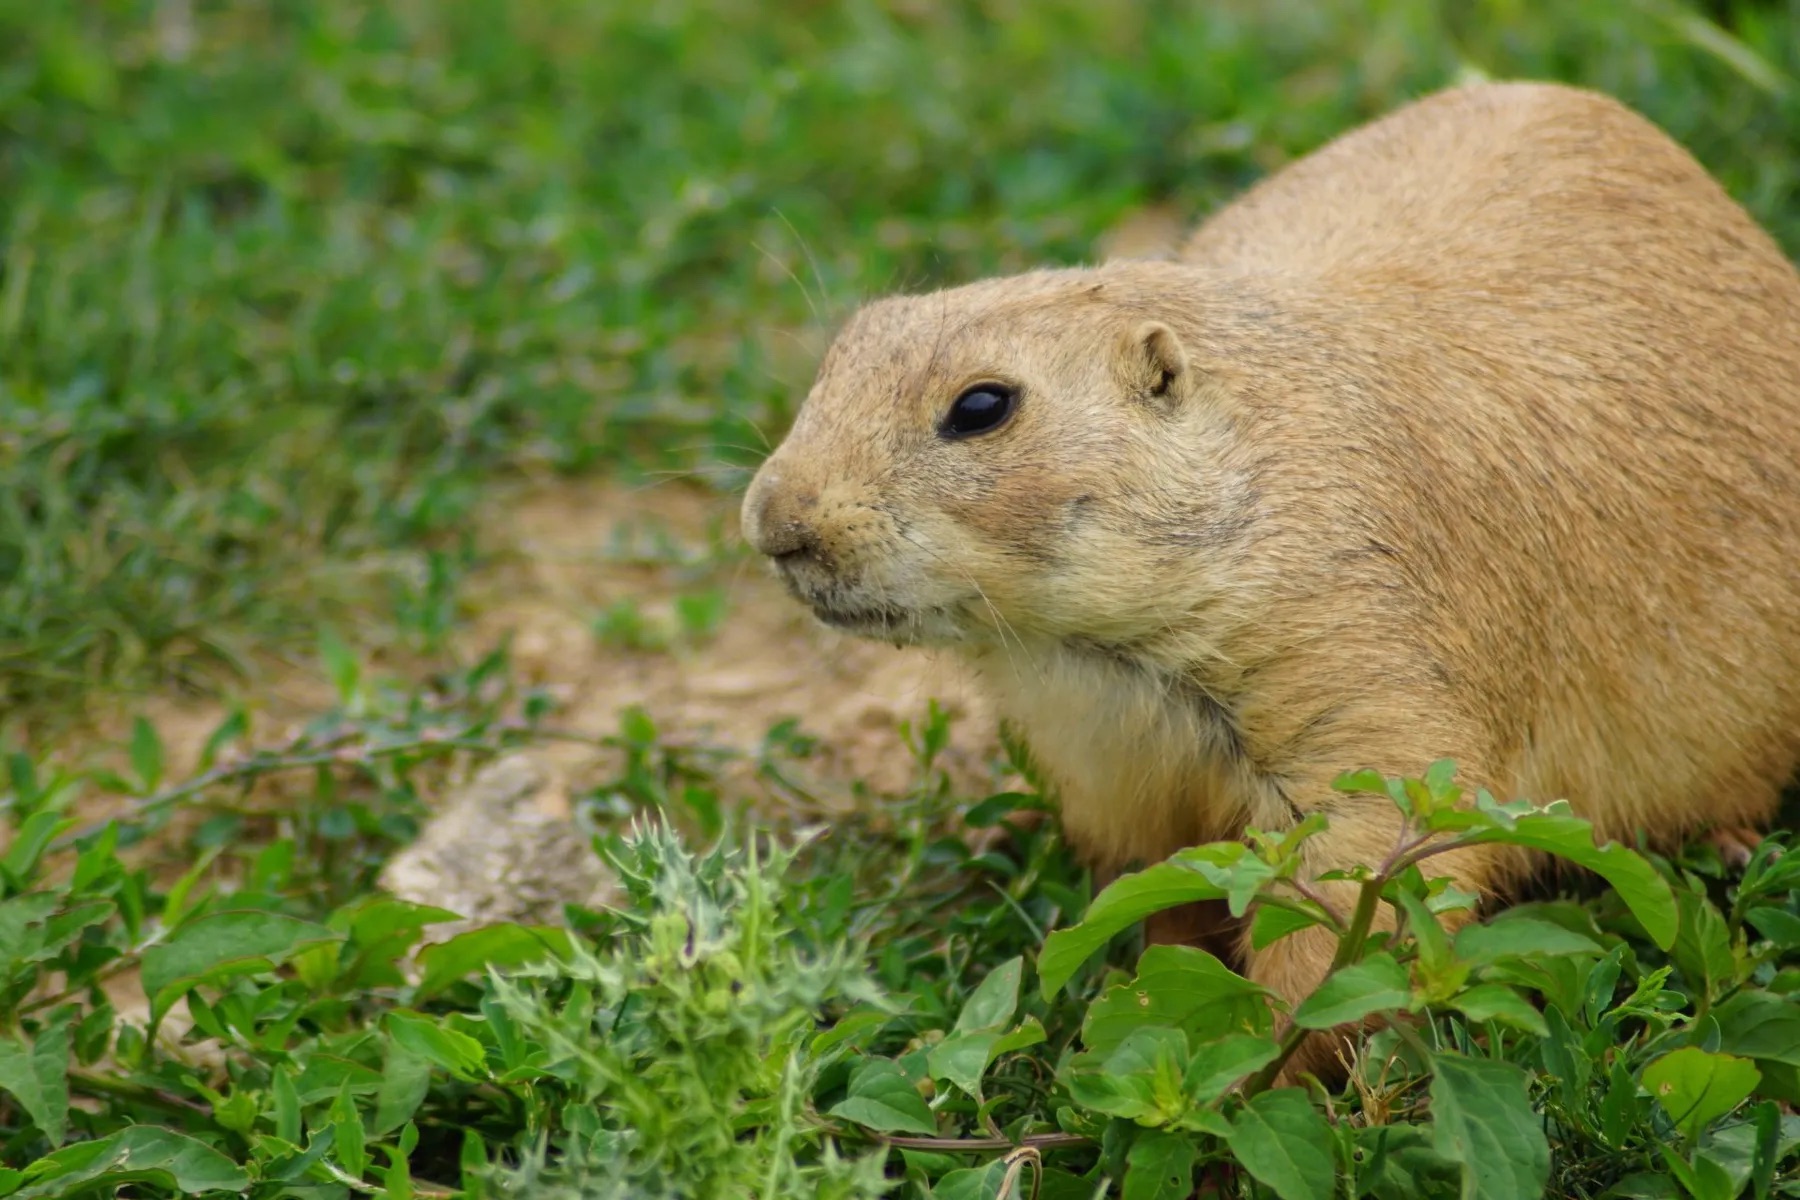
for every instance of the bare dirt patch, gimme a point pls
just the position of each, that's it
(569, 558)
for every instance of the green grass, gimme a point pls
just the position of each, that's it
(290, 292)
(286, 288)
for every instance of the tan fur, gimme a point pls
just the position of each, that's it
(1474, 434)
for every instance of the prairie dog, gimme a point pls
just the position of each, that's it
(1474, 434)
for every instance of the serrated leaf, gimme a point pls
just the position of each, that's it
(1354, 992)
(1697, 1088)
(1181, 987)
(504, 946)
(136, 1154)
(990, 1007)
(1481, 1118)
(1160, 1166)
(883, 1099)
(221, 945)
(1557, 831)
(1520, 937)
(430, 1039)
(1125, 902)
(1283, 1141)
(37, 1075)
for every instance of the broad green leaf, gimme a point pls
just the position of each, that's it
(991, 1181)
(1182, 987)
(1557, 831)
(1141, 1079)
(38, 1075)
(1520, 937)
(429, 1038)
(503, 946)
(220, 945)
(1269, 923)
(1440, 972)
(1160, 1166)
(1759, 1024)
(990, 1007)
(1215, 1066)
(1776, 924)
(1696, 1088)
(1701, 1178)
(1497, 1002)
(963, 1058)
(1125, 902)
(1282, 1140)
(405, 1080)
(1400, 1161)
(1481, 1118)
(883, 1099)
(1354, 992)
(136, 1154)
(1702, 946)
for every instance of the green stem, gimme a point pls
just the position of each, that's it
(120, 1089)
(1349, 950)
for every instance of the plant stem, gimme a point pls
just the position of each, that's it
(1349, 950)
(101, 1085)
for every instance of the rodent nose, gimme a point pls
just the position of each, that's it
(789, 540)
(773, 523)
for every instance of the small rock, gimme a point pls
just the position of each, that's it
(501, 849)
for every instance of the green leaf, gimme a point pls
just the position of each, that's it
(145, 1154)
(1481, 1118)
(34, 836)
(1497, 1002)
(1354, 992)
(1217, 1065)
(347, 1134)
(1178, 986)
(1696, 1088)
(1142, 1079)
(1759, 1024)
(1282, 1140)
(1160, 1166)
(430, 1039)
(1126, 901)
(1702, 946)
(964, 1058)
(504, 946)
(1520, 937)
(1556, 831)
(883, 1099)
(405, 1081)
(1399, 1161)
(146, 755)
(1269, 923)
(38, 1075)
(990, 1008)
(854, 1029)
(1620, 1107)
(221, 945)
(1702, 1178)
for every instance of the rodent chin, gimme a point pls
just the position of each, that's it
(902, 627)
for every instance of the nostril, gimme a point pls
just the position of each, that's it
(790, 541)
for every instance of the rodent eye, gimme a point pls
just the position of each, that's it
(980, 409)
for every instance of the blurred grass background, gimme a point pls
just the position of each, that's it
(288, 287)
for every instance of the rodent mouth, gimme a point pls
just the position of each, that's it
(901, 626)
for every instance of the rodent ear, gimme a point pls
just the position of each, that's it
(1153, 365)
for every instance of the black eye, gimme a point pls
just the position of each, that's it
(981, 409)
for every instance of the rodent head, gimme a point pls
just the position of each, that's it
(1033, 455)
